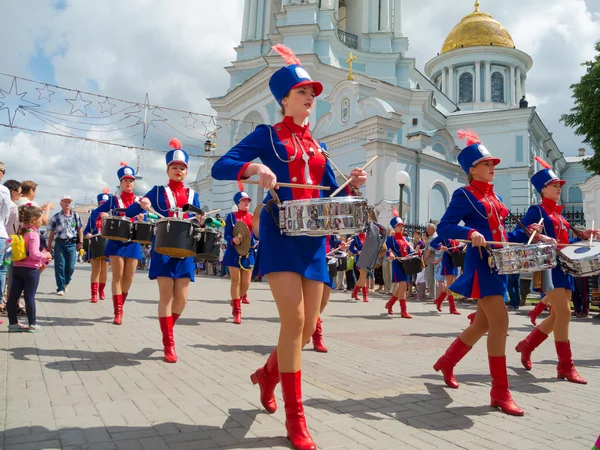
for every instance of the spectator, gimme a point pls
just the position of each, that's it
(386, 269)
(66, 227)
(12, 227)
(430, 234)
(581, 297)
(28, 193)
(5, 207)
(514, 291)
(525, 286)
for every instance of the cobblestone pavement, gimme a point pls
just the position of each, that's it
(84, 383)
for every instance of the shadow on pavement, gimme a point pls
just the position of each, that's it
(259, 349)
(83, 360)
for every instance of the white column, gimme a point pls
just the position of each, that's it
(398, 17)
(444, 82)
(488, 81)
(519, 84)
(477, 81)
(245, 20)
(524, 85)
(384, 22)
(511, 86)
(451, 82)
(326, 4)
(252, 20)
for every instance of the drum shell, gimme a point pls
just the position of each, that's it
(458, 258)
(98, 246)
(116, 229)
(142, 232)
(332, 267)
(342, 261)
(323, 216)
(175, 238)
(207, 246)
(412, 266)
(580, 261)
(524, 258)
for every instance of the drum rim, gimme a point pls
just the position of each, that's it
(325, 200)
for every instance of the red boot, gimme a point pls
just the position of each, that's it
(529, 344)
(166, 326)
(365, 292)
(101, 290)
(355, 293)
(566, 368)
(452, 304)
(499, 395)
(125, 294)
(317, 338)
(471, 317)
(118, 309)
(438, 301)
(245, 300)
(390, 304)
(236, 310)
(94, 289)
(295, 422)
(175, 317)
(267, 378)
(535, 312)
(403, 311)
(457, 351)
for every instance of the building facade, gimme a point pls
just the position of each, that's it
(407, 118)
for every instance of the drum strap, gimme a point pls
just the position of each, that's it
(120, 203)
(171, 197)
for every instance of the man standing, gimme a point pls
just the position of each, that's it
(428, 259)
(66, 227)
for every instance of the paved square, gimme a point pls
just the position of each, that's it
(84, 383)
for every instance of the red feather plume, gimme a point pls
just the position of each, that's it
(395, 211)
(287, 54)
(469, 135)
(175, 143)
(123, 164)
(105, 190)
(240, 186)
(543, 163)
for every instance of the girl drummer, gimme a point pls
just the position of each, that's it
(448, 271)
(173, 274)
(99, 266)
(484, 215)
(355, 248)
(240, 266)
(124, 255)
(555, 226)
(295, 267)
(398, 247)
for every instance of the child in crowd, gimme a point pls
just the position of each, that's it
(26, 272)
(421, 287)
(437, 271)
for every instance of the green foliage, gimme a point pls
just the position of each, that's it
(585, 115)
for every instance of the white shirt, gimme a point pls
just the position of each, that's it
(25, 201)
(221, 255)
(5, 204)
(421, 277)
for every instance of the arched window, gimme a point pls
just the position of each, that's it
(439, 148)
(465, 83)
(439, 202)
(418, 86)
(497, 87)
(575, 195)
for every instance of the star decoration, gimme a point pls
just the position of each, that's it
(78, 104)
(45, 93)
(144, 115)
(189, 121)
(106, 106)
(14, 101)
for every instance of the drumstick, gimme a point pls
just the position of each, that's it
(333, 251)
(592, 234)
(338, 190)
(533, 234)
(293, 185)
(490, 242)
(212, 212)
(155, 212)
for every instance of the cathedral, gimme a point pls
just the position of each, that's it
(376, 102)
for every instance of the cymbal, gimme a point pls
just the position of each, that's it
(240, 228)
(256, 219)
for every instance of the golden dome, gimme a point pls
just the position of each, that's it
(476, 30)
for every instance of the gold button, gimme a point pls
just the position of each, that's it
(494, 231)
(294, 179)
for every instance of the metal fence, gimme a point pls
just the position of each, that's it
(574, 216)
(349, 39)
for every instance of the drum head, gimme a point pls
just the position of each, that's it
(578, 253)
(240, 228)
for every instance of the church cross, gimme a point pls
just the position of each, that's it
(349, 62)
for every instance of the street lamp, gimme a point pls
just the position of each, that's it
(207, 145)
(402, 178)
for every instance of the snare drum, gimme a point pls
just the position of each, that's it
(116, 229)
(142, 232)
(207, 246)
(97, 246)
(411, 264)
(523, 258)
(323, 216)
(342, 260)
(175, 238)
(580, 261)
(458, 258)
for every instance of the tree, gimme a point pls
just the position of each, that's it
(585, 115)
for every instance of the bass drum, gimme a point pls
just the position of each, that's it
(175, 238)
(207, 247)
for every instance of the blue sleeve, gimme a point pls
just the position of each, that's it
(228, 232)
(88, 227)
(390, 243)
(410, 249)
(231, 165)
(353, 248)
(436, 243)
(449, 227)
(135, 208)
(104, 207)
(532, 216)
